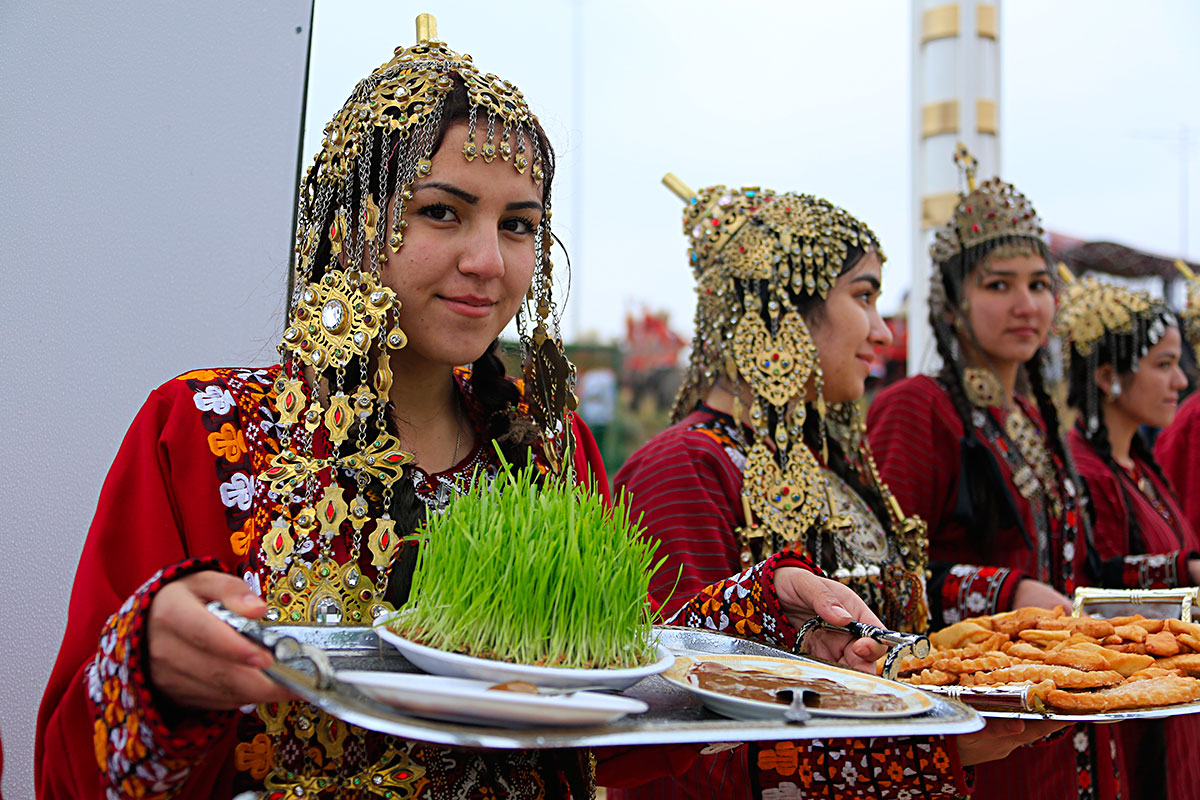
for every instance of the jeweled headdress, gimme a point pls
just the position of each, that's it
(1190, 316)
(338, 461)
(988, 211)
(1098, 318)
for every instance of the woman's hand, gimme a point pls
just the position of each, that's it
(1040, 595)
(196, 660)
(803, 595)
(1000, 737)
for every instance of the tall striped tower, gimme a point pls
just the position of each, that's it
(955, 97)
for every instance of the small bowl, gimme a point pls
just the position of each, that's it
(457, 665)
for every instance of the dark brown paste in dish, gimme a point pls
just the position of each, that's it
(755, 684)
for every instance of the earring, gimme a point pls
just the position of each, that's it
(1115, 392)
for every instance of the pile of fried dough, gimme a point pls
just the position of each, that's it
(1076, 664)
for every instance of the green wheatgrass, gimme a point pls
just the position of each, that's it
(533, 573)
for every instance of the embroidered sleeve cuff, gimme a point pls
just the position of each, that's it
(971, 591)
(745, 604)
(138, 751)
(890, 769)
(1154, 571)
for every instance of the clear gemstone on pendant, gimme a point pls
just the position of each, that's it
(352, 577)
(360, 338)
(333, 316)
(273, 614)
(327, 611)
(376, 297)
(308, 295)
(378, 611)
(298, 580)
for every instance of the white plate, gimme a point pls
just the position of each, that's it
(915, 701)
(461, 700)
(457, 665)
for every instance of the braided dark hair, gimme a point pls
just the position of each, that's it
(985, 500)
(1121, 350)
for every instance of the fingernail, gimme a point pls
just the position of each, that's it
(836, 609)
(250, 598)
(260, 660)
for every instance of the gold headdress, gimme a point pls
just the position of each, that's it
(988, 211)
(334, 390)
(1100, 320)
(1190, 315)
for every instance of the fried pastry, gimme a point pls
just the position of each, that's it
(1124, 663)
(1192, 642)
(933, 677)
(1163, 690)
(1063, 677)
(960, 634)
(1013, 622)
(1077, 657)
(1162, 644)
(1178, 626)
(984, 663)
(1044, 638)
(1188, 662)
(1088, 626)
(1132, 633)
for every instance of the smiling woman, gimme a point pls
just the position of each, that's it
(767, 454)
(289, 493)
(977, 452)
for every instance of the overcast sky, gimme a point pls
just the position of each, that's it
(802, 96)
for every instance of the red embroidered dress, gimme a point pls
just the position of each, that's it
(182, 496)
(1177, 454)
(1157, 558)
(916, 433)
(687, 484)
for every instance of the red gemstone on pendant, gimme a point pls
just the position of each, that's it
(279, 542)
(383, 541)
(329, 512)
(289, 401)
(392, 458)
(774, 356)
(402, 775)
(975, 227)
(337, 417)
(716, 222)
(285, 598)
(787, 490)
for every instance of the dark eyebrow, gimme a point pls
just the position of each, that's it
(871, 279)
(471, 199)
(1006, 273)
(449, 188)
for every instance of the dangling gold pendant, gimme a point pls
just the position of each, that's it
(788, 503)
(776, 367)
(278, 544)
(331, 510)
(290, 400)
(338, 418)
(383, 543)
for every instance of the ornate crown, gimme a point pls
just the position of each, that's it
(1092, 309)
(1191, 313)
(992, 210)
(752, 233)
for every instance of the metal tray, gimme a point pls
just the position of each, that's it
(675, 715)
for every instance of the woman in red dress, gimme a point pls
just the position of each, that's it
(284, 492)
(1124, 354)
(786, 329)
(976, 451)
